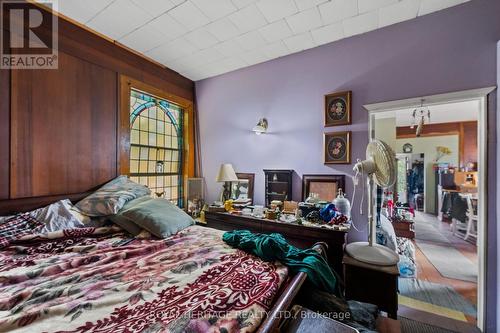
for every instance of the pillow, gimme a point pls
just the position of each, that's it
(126, 223)
(158, 216)
(57, 216)
(385, 233)
(111, 197)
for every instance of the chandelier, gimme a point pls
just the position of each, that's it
(419, 115)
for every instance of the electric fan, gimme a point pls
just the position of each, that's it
(380, 168)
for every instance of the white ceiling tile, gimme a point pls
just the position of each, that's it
(243, 3)
(223, 29)
(254, 57)
(251, 40)
(328, 33)
(153, 7)
(172, 50)
(299, 42)
(189, 15)
(200, 58)
(201, 38)
(229, 48)
(337, 10)
(119, 19)
(430, 6)
(369, 5)
(401, 11)
(305, 21)
(274, 10)
(276, 31)
(168, 26)
(247, 19)
(82, 11)
(143, 39)
(215, 9)
(360, 24)
(275, 50)
(306, 4)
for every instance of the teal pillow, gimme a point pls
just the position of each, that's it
(126, 223)
(158, 216)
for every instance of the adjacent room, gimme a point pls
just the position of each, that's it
(249, 166)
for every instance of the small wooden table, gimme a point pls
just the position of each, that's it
(298, 235)
(372, 284)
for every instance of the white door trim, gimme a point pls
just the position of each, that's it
(480, 95)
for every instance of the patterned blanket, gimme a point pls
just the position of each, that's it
(94, 280)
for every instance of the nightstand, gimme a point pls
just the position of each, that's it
(372, 284)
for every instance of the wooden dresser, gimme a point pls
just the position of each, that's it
(298, 235)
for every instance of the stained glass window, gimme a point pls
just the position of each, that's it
(156, 133)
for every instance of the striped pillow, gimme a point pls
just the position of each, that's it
(111, 197)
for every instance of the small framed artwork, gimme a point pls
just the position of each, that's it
(337, 148)
(338, 108)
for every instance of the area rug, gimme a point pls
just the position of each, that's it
(449, 261)
(436, 294)
(412, 326)
(426, 231)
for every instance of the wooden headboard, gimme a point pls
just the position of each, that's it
(60, 128)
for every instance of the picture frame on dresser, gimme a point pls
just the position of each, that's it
(243, 188)
(326, 186)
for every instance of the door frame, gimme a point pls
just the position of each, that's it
(480, 95)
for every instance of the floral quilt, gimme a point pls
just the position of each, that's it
(100, 280)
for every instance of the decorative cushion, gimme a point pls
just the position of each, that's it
(125, 222)
(385, 233)
(111, 197)
(158, 216)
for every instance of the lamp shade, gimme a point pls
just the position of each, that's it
(226, 173)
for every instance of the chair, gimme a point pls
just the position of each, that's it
(472, 219)
(469, 227)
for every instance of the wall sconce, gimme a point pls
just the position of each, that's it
(261, 127)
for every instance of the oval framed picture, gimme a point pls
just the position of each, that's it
(337, 148)
(338, 108)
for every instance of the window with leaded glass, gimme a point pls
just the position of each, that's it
(156, 145)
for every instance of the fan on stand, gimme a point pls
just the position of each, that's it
(379, 168)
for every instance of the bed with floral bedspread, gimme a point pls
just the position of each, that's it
(91, 280)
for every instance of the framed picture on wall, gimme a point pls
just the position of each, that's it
(337, 148)
(338, 108)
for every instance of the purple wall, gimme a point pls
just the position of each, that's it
(442, 52)
(498, 187)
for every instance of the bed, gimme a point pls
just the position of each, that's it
(101, 280)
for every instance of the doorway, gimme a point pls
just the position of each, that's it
(442, 263)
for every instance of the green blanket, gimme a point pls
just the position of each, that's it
(274, 247)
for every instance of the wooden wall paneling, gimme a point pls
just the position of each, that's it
(4, 133)
(470, 146)
(81, 42)
(63, 128)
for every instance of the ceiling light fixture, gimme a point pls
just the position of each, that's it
(419, 115)
(261, 127)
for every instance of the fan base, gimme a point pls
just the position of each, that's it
(376, 255)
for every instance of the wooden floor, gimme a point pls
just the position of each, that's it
(426, 271)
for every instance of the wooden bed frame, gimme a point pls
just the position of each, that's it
(274, 318)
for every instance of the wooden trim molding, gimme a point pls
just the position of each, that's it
(123, 139)
(4, 133)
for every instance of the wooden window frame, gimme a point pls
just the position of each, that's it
(123, 130)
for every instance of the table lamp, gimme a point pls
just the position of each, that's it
(226, 175)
